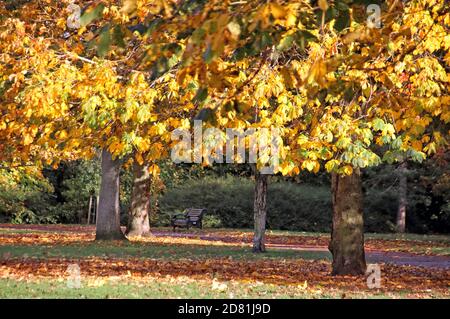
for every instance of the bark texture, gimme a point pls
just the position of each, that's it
(402, 200)
(347, 235)
(138, 221)
(108, 218)
(260, 212)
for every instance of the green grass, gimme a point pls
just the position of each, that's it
(443, 251)
(414, 237)
(442, 238)
(179, 288)
(152, 289)
(243, 230)
(168, 251)
(385, 236)
(153, 251)
(19, 231)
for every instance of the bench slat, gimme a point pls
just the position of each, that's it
(193, 216)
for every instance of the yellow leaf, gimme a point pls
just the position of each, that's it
(277, 10)
(139, 158)
(129, 6)
(63, 134)
(291, 20)
(309, 165)
(348, 170)
(331, 165)
(316, 167)
(317, 72)
(220, 286)
(116, 148)
(27, 139)
(154, 170)
(304, 286)
(323, 5)
(142, 145)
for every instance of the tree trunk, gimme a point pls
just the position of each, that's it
(108, 215)
(402, 201)
(347, 235)
(260, 212)
(138, 222)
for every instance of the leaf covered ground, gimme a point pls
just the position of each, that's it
(34, 263)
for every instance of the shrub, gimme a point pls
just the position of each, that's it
(380, 208)
(81, 180)
(25, 197)
(229, 203)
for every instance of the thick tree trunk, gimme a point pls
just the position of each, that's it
(138, 221)
(260, 212)
(108, 215)
(402, 201)
(347, 235)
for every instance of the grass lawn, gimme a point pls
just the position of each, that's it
(35, 263)
(182, 288)
(435, 238)
(153, 251)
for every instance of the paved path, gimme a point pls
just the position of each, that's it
(372, 256)
(399, 258)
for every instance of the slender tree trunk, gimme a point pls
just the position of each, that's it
(347, 235)
(138, 222)
(402, 201)
(260, 212)
(108, 215)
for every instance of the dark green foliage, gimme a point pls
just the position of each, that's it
(304, 202)
(15, 4)
(428, 197)
(91, 14)
(380, 208)
(229, 202)
(300, 203)
(25, 198)
(81, 180)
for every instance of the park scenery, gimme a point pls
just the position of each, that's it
(224, 149)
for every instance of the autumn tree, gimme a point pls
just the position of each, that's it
(76, 99)
(334, 100)
(357, 86)
(402, 198)
(396, 95)
(335, 86)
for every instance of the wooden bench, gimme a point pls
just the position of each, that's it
(190, 217)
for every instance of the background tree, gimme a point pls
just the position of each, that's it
(402, 198)
(95, 101)
(334, 86)
(139, 217)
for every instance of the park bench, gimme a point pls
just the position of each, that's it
(190, 217)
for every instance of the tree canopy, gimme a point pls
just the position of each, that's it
(343, 93)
